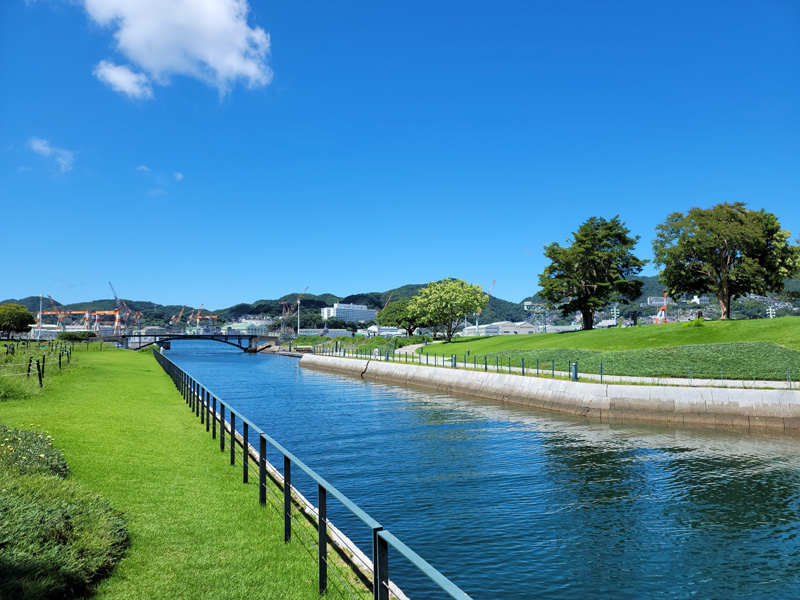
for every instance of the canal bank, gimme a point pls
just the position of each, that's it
(776, 410)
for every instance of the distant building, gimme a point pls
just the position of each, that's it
(247, 329)
(331, 333)
(659, 301)
(349, 312)
(500, 328)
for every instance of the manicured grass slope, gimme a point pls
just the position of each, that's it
(784, 331)
(195, 530)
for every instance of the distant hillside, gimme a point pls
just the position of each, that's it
(497, 309)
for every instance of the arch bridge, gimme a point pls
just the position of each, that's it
(248, 343)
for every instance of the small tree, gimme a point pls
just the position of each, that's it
(593, 271)
(726, 250)
(400, 313)
(442, 304)
(15, 318)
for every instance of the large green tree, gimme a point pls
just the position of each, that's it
(401, 313)
(593, 270)
(443, 304)
(726, 250)
(15, 318)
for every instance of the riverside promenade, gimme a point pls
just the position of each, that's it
(196, 531)
(687, 405)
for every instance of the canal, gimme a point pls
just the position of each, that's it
(513, 503)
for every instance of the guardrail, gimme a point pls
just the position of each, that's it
(205, 406)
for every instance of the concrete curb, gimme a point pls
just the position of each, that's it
(714, 407)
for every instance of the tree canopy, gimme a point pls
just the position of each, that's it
(442, 304)
(727, 250)
(595, 269)
(401, 313)
(15, 318)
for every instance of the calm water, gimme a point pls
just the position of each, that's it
(513, 503)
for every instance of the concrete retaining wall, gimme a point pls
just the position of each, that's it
(717, 407)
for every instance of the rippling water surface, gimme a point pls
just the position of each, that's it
(513, 503)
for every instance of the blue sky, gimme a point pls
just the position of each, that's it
(222, 152)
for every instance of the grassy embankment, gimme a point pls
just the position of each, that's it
(764, 349)
(195, 530)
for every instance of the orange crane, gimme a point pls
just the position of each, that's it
(177, 318)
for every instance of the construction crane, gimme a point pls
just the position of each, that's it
(194, 312)
(377, 323)
(125, 311)
(175, 319)
(60, 314)
(478, 314)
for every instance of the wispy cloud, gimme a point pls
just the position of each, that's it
(62, 157)
(121, 79)
(144, 168)
(23, 169)
(177, 176)
(209, 40)
(156, 192)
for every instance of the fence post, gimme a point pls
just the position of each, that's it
(380, 577)
(485, 364)
(262, 470)
(208, 411)
(601, 372)
(233, 438)
(214, 418)
(287, 499)
(59, 362)
(202, 405)
(39, 372)
(30, 362)
(523, 367)
(245, 450)
(221, 426)
(322, 529)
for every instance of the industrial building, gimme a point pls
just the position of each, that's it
(349, 312)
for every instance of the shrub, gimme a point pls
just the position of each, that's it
(29, 452)
(76, 336)
(698, 322)
(56, 538)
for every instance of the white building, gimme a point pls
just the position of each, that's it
(500, 328)
(349, 312)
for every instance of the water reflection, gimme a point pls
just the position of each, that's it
(513, 503)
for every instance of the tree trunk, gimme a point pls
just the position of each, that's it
(588, 319)
(725, 306)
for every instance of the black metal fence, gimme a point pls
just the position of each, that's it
(581, 367)
(219, 419)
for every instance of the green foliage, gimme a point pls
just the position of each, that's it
(15, 318)
(402, 313)
(442, 304)
(596, 269)
(698, 322)
(726, 250)
(76, 336)
(28, 452)
(56, 538)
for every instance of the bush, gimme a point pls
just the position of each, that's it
(698, 322)
(55, 537)
(76, 336)
(29, 452)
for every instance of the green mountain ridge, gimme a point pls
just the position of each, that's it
(496, 310)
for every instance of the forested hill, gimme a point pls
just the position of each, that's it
(497, 309)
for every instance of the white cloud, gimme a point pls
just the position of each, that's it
(178, 176)
(122, 79)
(23, 169)
(156, 192)
(209, 40)
(62, 157)
(144, 168)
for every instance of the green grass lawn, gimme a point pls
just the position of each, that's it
(765, 348)
(195, 530)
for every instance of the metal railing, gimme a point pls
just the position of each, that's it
(211, 410)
